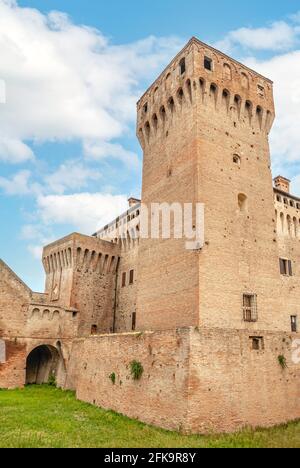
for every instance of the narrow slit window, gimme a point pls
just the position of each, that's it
(294, 326)
(133, 321)
(182, 66)
(131, 277)
(124, 280)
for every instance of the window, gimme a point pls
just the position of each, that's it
(145, 108)
(279, 198)
(208, 63)
(131, 276)
(242, 202)
(124, 280)
(260, 90)
(250, 307)
(285, 267)
(182, 66)
(294, 327)
(133, 321)
(257, 343)
(236, 159)
(94, 330)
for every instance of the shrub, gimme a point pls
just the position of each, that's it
(113, 378)
(52, 380)
(136, 370)
(282, 361)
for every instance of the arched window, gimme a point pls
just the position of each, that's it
(242, 202)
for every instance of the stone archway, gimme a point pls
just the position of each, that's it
(42, 364)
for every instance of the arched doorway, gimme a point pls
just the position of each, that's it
(42, 365)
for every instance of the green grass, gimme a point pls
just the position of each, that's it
(48, 417)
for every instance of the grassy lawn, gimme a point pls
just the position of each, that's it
(48, 417)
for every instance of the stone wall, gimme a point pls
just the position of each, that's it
(194, 380)
(159, 398)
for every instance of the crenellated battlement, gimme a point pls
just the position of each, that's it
(202, 78)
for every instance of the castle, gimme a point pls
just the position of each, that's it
(214, 328)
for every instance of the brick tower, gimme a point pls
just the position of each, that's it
(203, 126)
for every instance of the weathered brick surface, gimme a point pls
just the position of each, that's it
(195, 380)
(160, 397)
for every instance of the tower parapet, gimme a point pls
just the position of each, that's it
(200, 74)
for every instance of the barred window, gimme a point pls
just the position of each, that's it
(250, 307)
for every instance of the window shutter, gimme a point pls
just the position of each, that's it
(290, 268)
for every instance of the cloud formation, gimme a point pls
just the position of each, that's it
(84, 211)
(66, 82)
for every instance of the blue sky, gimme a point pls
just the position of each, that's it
(73, 71)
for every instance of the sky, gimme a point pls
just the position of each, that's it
(71, 72)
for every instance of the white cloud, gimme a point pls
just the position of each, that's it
(67, 82)
(284, 70)
(86, 212)
(14, 151)
(16, 185)
(72, 175)
(100, 150)
(279, 36)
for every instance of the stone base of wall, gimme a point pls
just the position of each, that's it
(194, 380)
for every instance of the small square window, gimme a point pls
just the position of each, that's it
(257, 343)
(208, 63)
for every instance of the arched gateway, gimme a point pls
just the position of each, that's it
(42, 364)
